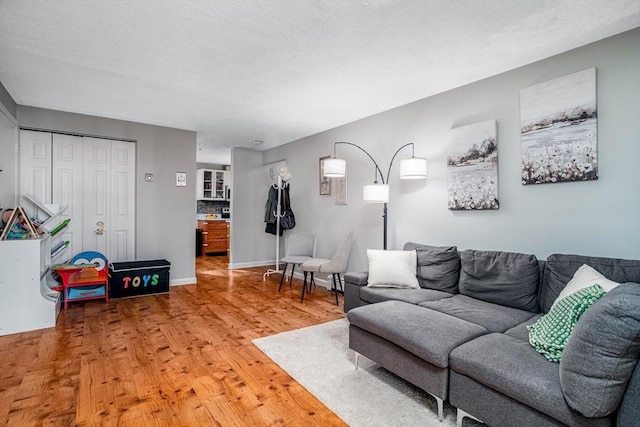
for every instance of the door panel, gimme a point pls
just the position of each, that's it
(35, 165)
(97, 191)
(122, 219)
(67, 188)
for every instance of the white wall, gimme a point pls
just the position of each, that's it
(165, 214)
(599, 218)
(250, 244)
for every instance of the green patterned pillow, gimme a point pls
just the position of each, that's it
(550, 333)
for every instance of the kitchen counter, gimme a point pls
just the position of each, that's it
(210, 217)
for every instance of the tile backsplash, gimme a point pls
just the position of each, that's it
(210, 207)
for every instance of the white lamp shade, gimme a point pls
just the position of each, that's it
(375, 193)
(413, 168)
(335, 168)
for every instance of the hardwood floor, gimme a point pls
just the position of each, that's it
(178, 359)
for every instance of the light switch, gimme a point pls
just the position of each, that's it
(181, 179)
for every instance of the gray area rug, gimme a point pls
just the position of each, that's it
(319, 358)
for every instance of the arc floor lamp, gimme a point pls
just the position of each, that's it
(411, 168)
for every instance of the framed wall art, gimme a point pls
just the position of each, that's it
(325, 183)
(472, 167)
(341, 190)
(559, 129)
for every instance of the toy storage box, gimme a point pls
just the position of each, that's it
(135, 278)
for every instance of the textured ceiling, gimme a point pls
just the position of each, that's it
(242, 70)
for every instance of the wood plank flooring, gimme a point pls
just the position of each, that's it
(178, 359)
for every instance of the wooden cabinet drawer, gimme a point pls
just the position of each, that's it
(217, 233)
(215, 236)
(215, 246)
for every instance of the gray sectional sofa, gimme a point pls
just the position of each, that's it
(462, 337)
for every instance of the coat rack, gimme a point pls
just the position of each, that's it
(279, 185)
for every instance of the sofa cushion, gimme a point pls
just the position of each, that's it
(520, 331)
(392, 269)
(505, 278)
(513, 368)
(585, 277)
(549, 335)
(602, 352)
(492, 317)
(629, 410)
(425, 333)
(413, 296)
(438, 266)
(560, 269)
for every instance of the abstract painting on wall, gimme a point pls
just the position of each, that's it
(472, 166)
(559, 129)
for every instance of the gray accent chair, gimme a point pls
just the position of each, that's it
(298, 248)
(336, 265)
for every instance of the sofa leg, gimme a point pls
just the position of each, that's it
(440, 408)
(460, 414)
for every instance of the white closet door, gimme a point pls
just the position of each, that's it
(35, 166)
(68, 189)
(95, 178)
(122, 220)
(109, 198)
(96, 200)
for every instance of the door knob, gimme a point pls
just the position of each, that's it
(100, 230)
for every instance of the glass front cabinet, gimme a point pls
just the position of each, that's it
(212, 184)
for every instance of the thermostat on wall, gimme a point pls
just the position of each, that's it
(181, 179)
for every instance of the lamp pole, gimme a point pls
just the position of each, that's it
(382, 178)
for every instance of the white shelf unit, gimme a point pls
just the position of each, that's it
(53, 211)
(24, 266)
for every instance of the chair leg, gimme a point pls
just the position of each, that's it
(293, 268)
(340, 283)
(282, 278)
(304, 286)
(335, 288)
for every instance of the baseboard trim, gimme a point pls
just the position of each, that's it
(240, 265)
(325, 283)
(185, 281)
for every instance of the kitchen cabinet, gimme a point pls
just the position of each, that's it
(213, 185)
(215, 236)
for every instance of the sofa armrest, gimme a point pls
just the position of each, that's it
(353, 282)
(357, 278)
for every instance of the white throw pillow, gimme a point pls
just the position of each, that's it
(584, 277)
(392, 269)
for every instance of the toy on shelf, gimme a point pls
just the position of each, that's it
(59, 248)
(55, 230)
(18, 226)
